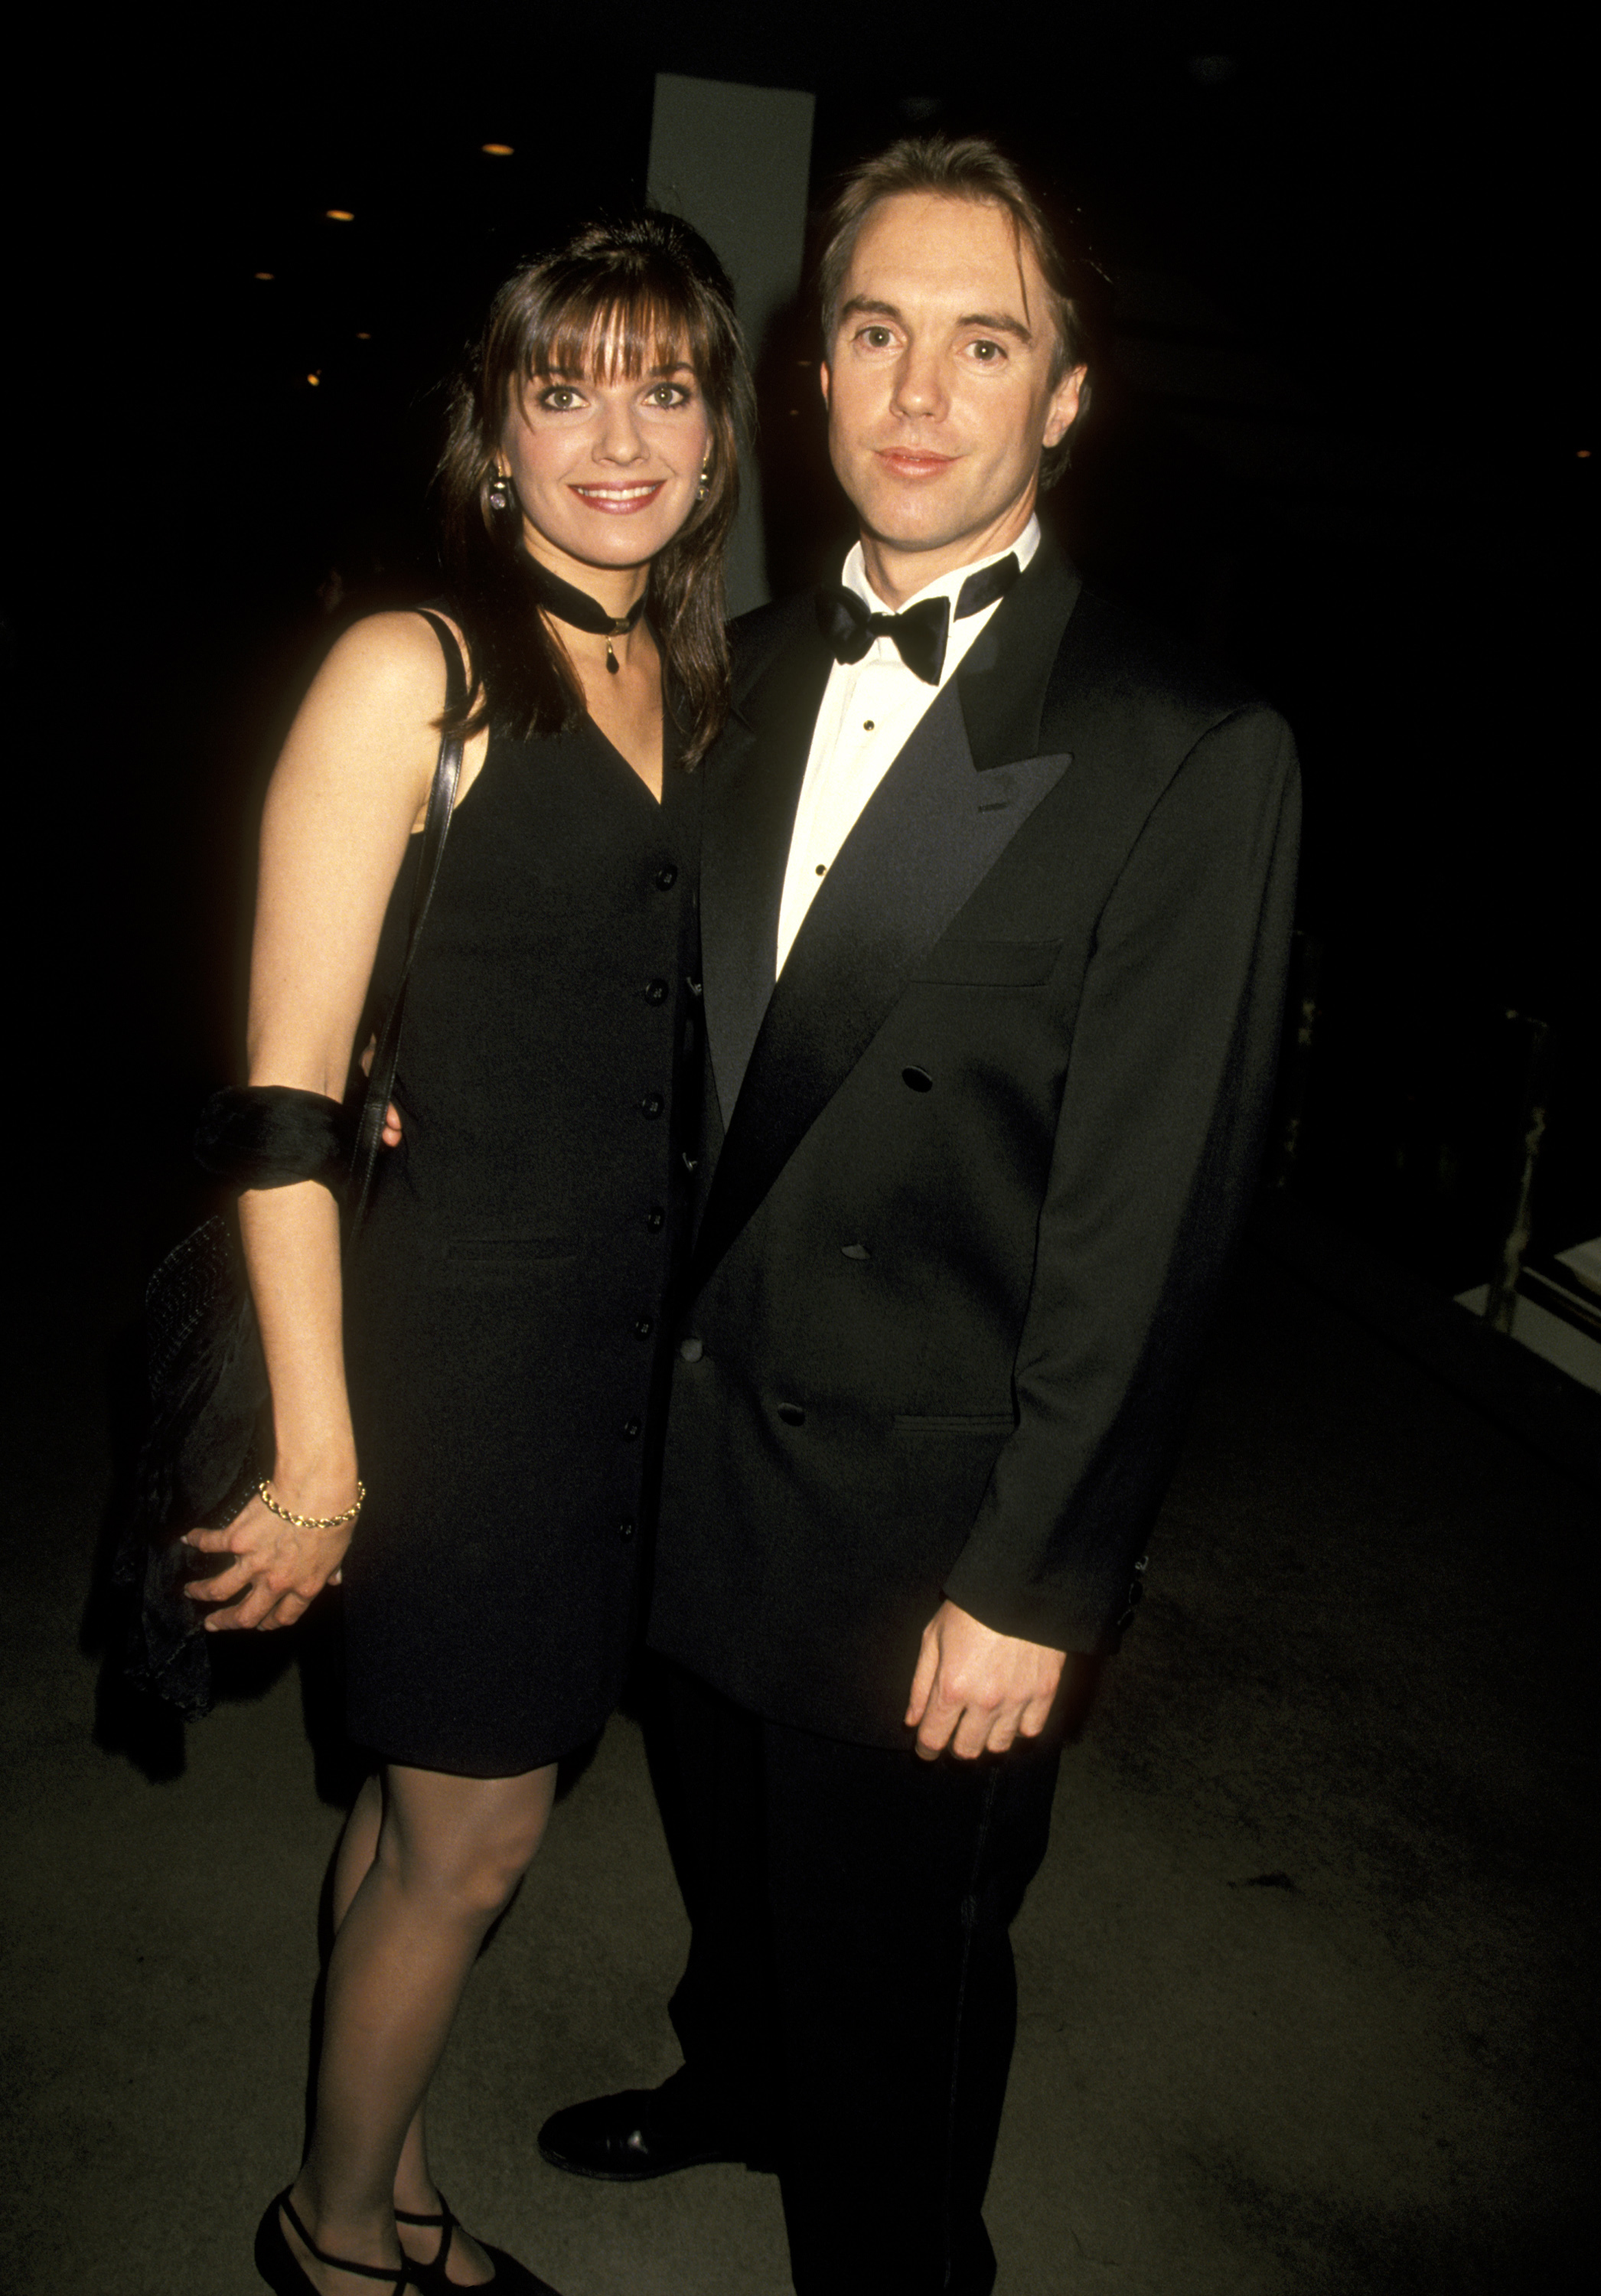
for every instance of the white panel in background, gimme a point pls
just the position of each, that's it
(1585, 1260)
(1535, 1328)
(734, 162)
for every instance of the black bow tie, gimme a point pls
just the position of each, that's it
(850, 626)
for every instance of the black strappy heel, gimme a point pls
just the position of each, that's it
(284, 2272)
(511, 2278)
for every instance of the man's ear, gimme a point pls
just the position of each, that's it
(1064, 405)
(823, 380)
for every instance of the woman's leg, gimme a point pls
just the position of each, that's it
(449, 1852)
(414, 2188)
(357, 1846)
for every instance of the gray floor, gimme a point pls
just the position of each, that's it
(1305, 1978)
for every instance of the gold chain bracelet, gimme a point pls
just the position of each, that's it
(311, 1521)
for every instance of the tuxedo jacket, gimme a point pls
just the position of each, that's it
(972, 1168)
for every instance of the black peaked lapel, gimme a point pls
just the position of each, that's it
(754, 779)
(1015, 663)
(931, 833)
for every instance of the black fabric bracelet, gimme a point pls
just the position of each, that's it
(270, 1135)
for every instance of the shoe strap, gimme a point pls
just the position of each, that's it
(398, 2281)
(447, 2220)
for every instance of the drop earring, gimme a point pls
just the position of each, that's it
(500, 492)
(705, 488)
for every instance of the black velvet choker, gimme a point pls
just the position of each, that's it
(578, 609)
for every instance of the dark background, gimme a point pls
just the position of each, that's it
(1391, 533)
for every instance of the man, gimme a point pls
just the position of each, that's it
(996, 902)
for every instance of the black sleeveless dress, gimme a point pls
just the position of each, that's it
(505, 1307)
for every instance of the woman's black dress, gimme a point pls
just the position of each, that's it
(505, 1306)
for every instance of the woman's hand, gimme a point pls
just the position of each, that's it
(278, 1568)
(391, 1136)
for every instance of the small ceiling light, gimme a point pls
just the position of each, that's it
(314, 380)
(338, 215)
(497, 150)
(263, 274)
(1584, 454)
(361, 336)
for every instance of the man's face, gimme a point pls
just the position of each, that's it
(939, 385)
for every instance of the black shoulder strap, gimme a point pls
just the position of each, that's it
(441, 799)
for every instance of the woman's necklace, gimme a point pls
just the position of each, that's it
(578, 609)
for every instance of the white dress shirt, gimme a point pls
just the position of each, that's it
(869, 710)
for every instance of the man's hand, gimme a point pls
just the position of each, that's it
(976, 1690)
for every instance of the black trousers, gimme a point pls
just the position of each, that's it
(849, 2008)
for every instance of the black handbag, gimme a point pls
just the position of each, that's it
(205, 1445)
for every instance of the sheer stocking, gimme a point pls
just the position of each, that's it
(427, 1863)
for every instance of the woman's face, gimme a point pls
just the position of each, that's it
(606, 471)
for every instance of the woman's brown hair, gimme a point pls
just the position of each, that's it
(637, 294)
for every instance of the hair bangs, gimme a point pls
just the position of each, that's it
(601, 332)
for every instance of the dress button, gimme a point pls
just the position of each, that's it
(692, 1349)
(655, 992)
(643, 1325)
(666, 877)
(918, 1079)
(791, 1415)
(630, 1428)
(652, 1104)
(625, 1528)
(655, 1219)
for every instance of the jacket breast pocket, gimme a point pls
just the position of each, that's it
(991, 963)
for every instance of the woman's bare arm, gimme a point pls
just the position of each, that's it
(347, 791)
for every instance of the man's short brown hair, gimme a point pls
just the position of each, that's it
(971, 167)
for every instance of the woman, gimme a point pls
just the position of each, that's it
(505, 1296)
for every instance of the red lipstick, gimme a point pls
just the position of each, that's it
(619, 501)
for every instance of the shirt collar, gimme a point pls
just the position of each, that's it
(854, 574)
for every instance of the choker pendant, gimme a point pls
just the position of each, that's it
(577, 608)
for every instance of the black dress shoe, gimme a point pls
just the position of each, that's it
(636, 2134)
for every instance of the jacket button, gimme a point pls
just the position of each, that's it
(643, 1325)
(655, 992)
(652, 1104)
(691, 1163)
(692, 1349)
(625, 1528)
(655, 1219)
(666, 877)
(855, 1252)
(791, 1415)
(630, 1429)
(918, 1079)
